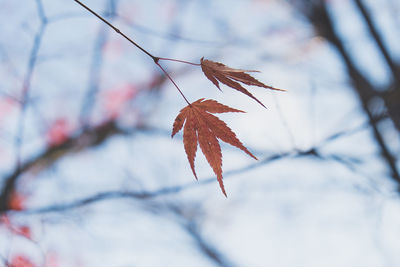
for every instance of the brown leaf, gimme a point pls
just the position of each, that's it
(216, 71)
(190, 140)
(178, 123)
(203, 128)
(213, 106)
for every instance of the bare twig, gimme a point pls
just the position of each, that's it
(155, 59)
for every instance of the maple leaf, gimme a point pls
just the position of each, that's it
(203, 128)
(215, 71)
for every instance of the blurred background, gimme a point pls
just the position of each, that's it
(91, 177)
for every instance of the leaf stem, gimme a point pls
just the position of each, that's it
(178, 60)
(155, 59)
(176, 86)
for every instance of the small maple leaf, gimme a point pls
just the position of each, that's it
(203, 128)
(215, 71)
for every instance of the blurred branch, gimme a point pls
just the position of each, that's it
(90, 137)
(210, 251)
(374, 33)
(27, 80)
(190, 223)
(9, 184)
(392, 95)
(144, 195)
(317, 13)
(86, 137)
(170, 36)
(94, 71)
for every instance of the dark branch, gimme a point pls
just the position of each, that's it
(374, 32)
(143, 195)
(319, 16)
(191, 224)
(88, 138)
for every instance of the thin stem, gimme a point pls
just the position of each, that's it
(117, 30)
(178, 60)
(169, 77)
(155, 59)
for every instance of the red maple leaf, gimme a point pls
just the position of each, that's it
(203, 128)
(215, 71)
